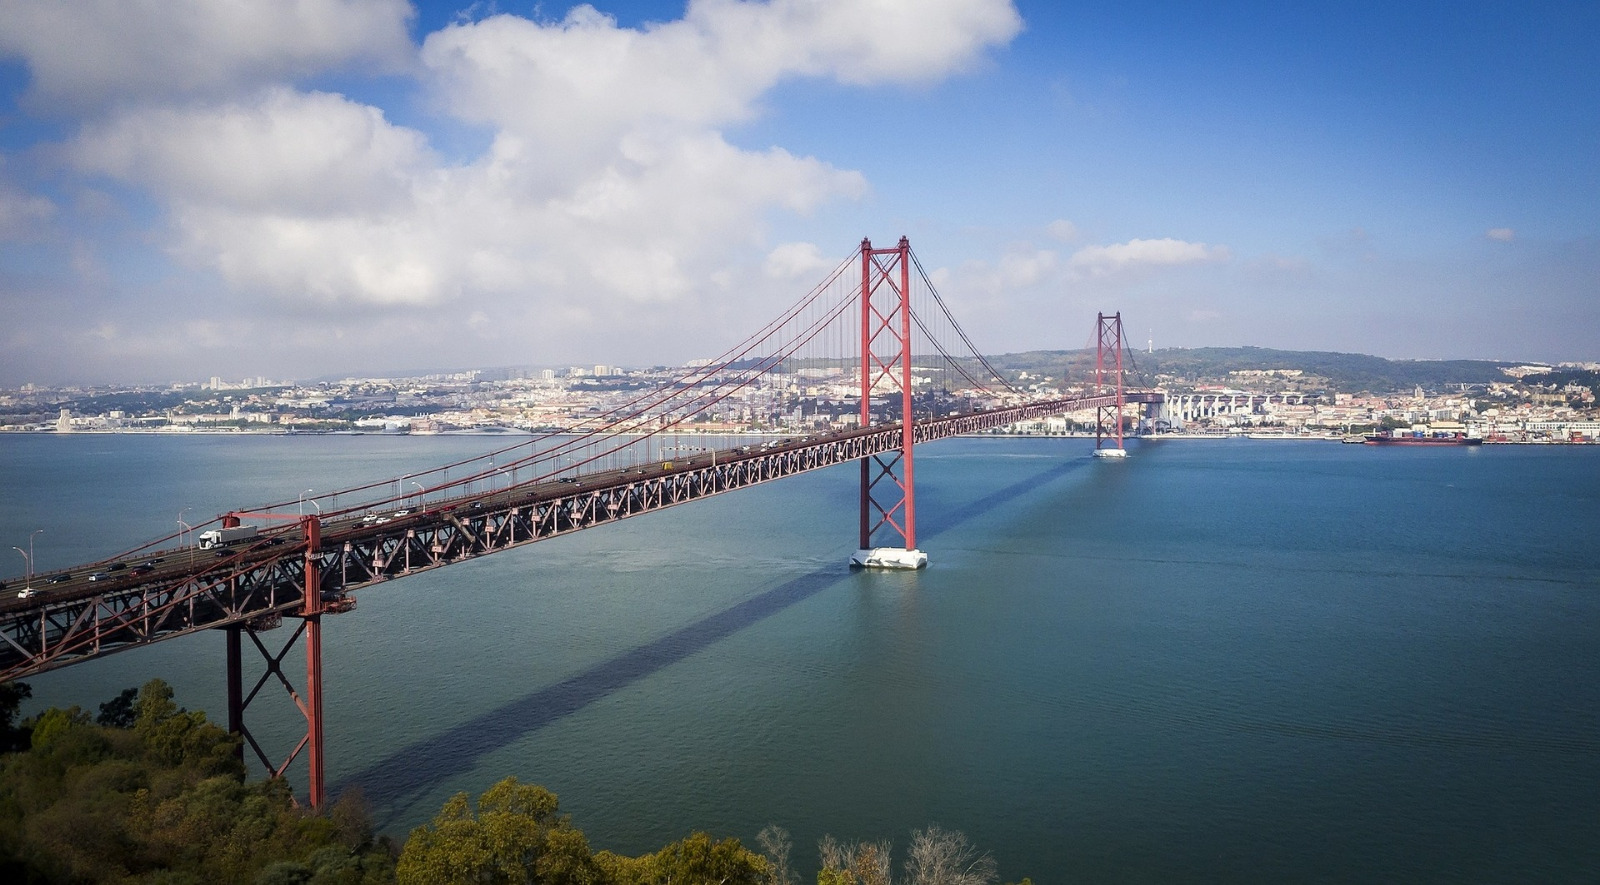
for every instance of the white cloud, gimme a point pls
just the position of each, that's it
(1102, 260)
(283, 152)
(796, 260)
(1029, 296)
(605, 181)
(606, 198)
(859, 42)
(21, 214)
(91, 53)
(987, 285)
(572, 87)
(313, 198)
(1502, 234)
(1063, 230)
(1022, 268)
(301, 196)
(322, 261)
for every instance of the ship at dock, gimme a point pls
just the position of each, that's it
(1421, 438)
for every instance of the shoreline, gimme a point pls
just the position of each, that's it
(506, 432)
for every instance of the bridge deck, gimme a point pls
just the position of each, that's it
(163, 594)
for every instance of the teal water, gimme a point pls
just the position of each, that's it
(1239, 661)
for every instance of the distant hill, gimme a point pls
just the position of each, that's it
(1343, 372)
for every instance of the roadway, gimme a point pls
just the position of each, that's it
(149, 595)
(165, 565)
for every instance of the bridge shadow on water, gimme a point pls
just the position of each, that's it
(393, 783)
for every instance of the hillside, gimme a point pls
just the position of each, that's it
(1343, 372)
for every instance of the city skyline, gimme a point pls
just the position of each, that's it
(364, 186)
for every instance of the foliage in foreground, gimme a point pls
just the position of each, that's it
(154, 793)
(147, 792)
(516, 835)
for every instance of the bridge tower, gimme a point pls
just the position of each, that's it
(888, 493)
(1108, 362)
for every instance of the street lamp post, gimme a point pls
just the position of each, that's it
(303, 502)
(422, 495)
(184, 527)
(27, 584)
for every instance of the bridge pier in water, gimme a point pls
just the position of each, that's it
(888, 490)
(256, 579)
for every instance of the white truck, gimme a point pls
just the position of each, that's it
(224, 537)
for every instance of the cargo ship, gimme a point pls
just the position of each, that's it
(1421, 438)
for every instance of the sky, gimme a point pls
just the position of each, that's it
(190, 188)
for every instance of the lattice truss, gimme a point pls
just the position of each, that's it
(885, 332)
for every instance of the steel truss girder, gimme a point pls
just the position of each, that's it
(61, 632)
(48, 632)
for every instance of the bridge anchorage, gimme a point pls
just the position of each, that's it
(875, 330)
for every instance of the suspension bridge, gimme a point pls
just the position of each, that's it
(885, 333)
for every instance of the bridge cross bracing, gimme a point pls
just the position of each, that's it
(899, 344)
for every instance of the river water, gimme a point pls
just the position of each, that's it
(1217, 661)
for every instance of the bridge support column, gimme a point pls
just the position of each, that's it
(235, 686)
(312, 612)
(888, 490)
(310, 705)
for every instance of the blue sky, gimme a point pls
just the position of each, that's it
(363, 186)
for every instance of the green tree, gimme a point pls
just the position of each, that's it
(118, 712)
(853, 863)
(13, 737)
(515, 835)
(175, 737)
(166, 801)
(696, 860)
(701, 859)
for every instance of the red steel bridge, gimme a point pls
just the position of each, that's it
(886, 333)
